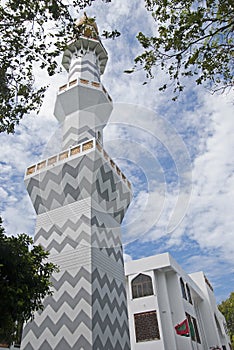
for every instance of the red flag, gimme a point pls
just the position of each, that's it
(182, 328)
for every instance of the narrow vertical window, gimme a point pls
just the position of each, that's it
(99, 136)
(193, 328)
(198, 339)
(183, 288)
(189, 294)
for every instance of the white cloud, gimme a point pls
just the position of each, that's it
(212, 204)
(19, 217)
(127, 257)
(3, 193)
(215, 268)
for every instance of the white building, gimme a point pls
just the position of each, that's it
(161, 296)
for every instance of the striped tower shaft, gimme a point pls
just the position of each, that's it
(80, 197)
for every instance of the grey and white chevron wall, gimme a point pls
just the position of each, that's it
(80, 197)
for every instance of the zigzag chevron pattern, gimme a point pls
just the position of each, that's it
(98, 344)
(74, 234)
(88, 309)
(73, 280)
(71, 301)
(68, 225)
(78, 179)
(74, 135)
(115, 253)
(66, 316)
(83, 62)
(69, 314)
(79, 131)
(85, 68)
(102, 235)
(62, 184)
(110, 322)
(109, 282)
(51, 314)
(81, 320)
(81, 343)
(63, 340)
(108, 304)
(112, 192)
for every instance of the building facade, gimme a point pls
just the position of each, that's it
(169, 309)
(80, 197)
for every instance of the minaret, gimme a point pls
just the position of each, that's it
(80, 197)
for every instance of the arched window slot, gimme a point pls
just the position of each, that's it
(142, 286)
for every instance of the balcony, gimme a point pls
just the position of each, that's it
(79, 149)
(82, 148)
(86, 82)
(113, 165)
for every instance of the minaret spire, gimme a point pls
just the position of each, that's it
(80, 196)
(85, 60)
(85, 57)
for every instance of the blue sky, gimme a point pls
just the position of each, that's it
(177, 155)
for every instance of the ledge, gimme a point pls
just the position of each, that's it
(84, 82)
(79, 149)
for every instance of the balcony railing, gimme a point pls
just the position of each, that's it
(113, 165)
(82, 81)
(81, 148)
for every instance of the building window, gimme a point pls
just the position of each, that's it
(218, 325)
(198, 339)
(185, 291)
(208, 283)
(193, 328)
(142, 286)
(189, 294)
(146, 326)
(182, 285)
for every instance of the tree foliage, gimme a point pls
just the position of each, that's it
(33, 33)
(227, 309)
(24, 281)
(194, 38)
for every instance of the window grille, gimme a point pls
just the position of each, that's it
(146, 326)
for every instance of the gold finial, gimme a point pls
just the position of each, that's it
(87, 26)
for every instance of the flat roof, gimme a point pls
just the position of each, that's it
(160, 262)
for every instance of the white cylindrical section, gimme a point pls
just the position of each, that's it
(84, 64)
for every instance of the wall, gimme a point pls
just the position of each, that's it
(139, 305)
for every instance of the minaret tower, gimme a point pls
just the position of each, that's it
(80, 197)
